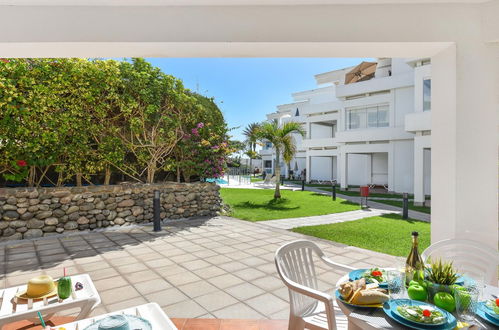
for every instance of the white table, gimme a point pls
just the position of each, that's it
(13, 309)
(375, 318)
(151, 312)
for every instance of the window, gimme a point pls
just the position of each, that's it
(268, 145)
(368, 117)
(426, 94)
(268, 164)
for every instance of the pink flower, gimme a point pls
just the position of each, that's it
(21, 163)
(195, 131)
(200, 125)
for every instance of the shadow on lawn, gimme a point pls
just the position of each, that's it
(272, 205)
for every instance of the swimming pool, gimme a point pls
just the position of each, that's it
(217, 181)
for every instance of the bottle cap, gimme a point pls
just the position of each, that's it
(415, 233)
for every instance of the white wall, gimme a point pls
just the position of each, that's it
(403, 99)
(358, 169)
(320, 131)
(379, 168)
(321, 168)
(403, 173)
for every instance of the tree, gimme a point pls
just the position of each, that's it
(282, 139)
(251, 133)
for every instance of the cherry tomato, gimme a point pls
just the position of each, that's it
(426, 313)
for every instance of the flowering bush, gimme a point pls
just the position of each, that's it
(70, 120)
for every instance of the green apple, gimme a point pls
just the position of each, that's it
(417, 292)
(413, 282)
(445, 301)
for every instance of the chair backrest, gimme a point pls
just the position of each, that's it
(268, 176)
(294, 262)
(469, 257)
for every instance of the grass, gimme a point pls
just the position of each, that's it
(423, 209)
(260, 205)
(387, 234)
(256, 179)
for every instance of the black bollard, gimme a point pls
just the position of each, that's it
(156, 208)
(405, 206)
(302, 185)
(333, 192)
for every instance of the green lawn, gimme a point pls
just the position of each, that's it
(413, 207)
(387, 234)
(259, 204)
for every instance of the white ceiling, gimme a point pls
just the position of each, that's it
(218, 2)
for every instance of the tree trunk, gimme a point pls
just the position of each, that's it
(78, 179)
(107, 177)
(178, 174)
(31, 176)
(277, 193)
(251, 167)
(59, 179)
(151, 171)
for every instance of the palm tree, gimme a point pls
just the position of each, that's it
(283, 142)
(251, 133)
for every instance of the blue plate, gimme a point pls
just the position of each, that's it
(390, 309)
(481, 311)
(338, 297)
(359, 273)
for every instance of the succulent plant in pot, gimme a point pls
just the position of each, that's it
(441, 275)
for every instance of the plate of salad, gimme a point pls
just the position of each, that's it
(485, 310)
(372, 275)
(492, 308)
(419, 315)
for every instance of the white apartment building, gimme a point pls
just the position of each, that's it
(376, 131)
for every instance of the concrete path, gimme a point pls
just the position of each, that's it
(325, 219)
(380, 206)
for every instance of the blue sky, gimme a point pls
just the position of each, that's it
(246, 89)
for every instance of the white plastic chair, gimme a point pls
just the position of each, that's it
(309, 307)
(469, 257)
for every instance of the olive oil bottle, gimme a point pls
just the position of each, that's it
(414, 264)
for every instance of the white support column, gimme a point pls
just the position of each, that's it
(343, 166)
(391, 167)
(465, 83)
(419, 196)
(369, 168)
(308, 167)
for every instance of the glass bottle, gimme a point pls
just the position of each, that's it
(414, 263)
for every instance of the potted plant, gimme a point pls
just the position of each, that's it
(441, 277)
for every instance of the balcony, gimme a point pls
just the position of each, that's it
(374, 85)
(319, 143)
(373, 134)
(418, 121)
(265, 152)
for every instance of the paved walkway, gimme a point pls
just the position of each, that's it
(325, 219)
(201, 268)
(379, 206)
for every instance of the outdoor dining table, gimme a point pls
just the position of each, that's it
(13, 309)
(375, 318)
(151, 312)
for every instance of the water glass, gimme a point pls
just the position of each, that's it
(396, 283)
(467, 297)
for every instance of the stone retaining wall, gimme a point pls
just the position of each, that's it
(36, 212)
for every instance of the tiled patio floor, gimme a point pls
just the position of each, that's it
(204, 268)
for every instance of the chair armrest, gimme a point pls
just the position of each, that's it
(336, 265)
(312, 293)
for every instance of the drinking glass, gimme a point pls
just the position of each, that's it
(396, 283)
(467, 297)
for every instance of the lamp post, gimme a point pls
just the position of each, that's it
(156, 211)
